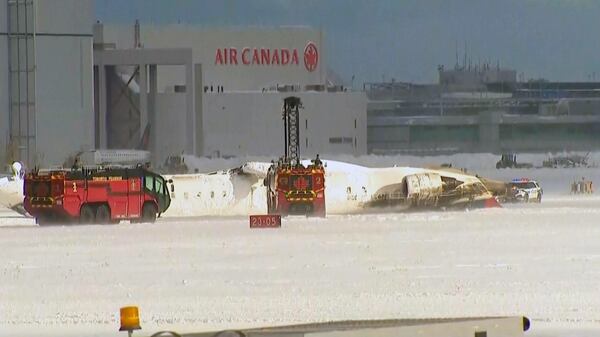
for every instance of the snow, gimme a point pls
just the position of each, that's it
(542, 261)
(198, 274)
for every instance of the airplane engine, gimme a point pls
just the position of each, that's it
(423, 188)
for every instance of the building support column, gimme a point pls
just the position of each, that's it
(143, 96)
(153, 120)
(190, 126)
(102, 109)
(198, 103)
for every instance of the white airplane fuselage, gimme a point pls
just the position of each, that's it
(349, 189)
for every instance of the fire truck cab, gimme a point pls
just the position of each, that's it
(95, 195)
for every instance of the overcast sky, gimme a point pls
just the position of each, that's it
(407, 39)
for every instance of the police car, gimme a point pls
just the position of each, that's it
(525, 190)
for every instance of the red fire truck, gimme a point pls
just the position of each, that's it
(293, 188)
(95, 195)
(296, 190)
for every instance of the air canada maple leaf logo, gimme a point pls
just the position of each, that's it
(300, 183)
(311, 56)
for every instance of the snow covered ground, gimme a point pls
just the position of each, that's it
(542, 261)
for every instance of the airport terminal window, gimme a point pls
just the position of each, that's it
(550, 132)
(340, 140)
(444, 133)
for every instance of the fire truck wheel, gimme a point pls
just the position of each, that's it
(148, 213)
(87, 214)
(103, 214)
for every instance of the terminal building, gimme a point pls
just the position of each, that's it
(482, 109)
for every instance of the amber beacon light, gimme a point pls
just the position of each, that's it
(130, 319)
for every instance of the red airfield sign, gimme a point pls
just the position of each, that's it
(265, 221)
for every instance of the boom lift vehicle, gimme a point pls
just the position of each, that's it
(293, 188)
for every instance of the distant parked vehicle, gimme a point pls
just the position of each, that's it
(509, 160)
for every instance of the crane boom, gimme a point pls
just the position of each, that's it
(291, 126)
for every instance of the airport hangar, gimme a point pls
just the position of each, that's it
(68, 84)
(71, 84)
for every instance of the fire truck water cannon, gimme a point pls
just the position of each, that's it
(100, 195)
(293, 188)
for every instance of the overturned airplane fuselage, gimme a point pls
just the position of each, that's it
(349, 189)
